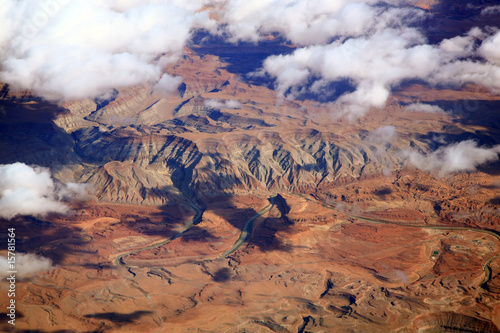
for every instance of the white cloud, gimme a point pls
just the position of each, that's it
(380, 61)
(303, 22)
(491, 10)
(384, 134)
(167, 84)
(461, 46)
(457, 157)
(26, 190)
(490, 49)
(26, 265)
(64, 49)
(422, 107)
(219, 104)
(373, 63)
(468, 71)
(308, 22)
(370, 45)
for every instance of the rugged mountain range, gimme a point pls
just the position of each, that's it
(219, 134)
(183, 230)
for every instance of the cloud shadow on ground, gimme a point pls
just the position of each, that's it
(119, 318)
(28, 133)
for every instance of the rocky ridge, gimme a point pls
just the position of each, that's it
(197, 141)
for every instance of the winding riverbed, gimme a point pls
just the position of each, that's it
(118, 260)
(246, 232)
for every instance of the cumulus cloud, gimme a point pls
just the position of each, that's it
(378, 62)
(373, 64)
(373, 46)
(362, 41)
(304, 22)
(462, 46)
(490, 49)
(422, 107)
(26, 190)
(309, 22)
(27, 265)
(456, 157)
(491, 10)
(219, 104)
(64, 49)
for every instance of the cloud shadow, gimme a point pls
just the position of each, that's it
(48, 239)
(222, 275)
(119, 318)
(28, 133)
(383, 192)
(242, 58)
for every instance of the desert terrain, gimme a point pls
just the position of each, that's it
(354, 240)
(225, 207)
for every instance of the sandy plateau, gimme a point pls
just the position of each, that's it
(344, 235)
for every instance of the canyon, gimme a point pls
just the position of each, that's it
(224, 207)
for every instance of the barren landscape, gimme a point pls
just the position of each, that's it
(228, 206)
